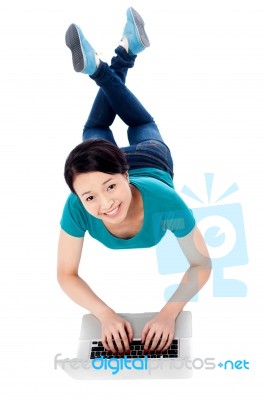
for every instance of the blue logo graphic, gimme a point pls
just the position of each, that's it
(113, 364)
(223, 229)
(239, 364)
(117, 364)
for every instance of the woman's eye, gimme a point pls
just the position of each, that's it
(90, 198)
(111, 186)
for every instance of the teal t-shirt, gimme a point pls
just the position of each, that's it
(163, 210)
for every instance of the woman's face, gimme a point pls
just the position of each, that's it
(105, 196)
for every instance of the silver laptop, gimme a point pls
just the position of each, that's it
(94, 362)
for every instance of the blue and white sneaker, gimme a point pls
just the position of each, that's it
(83, 55)
(135, 33)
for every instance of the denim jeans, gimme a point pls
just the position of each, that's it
(146, 146)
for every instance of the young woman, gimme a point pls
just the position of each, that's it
(124, 197)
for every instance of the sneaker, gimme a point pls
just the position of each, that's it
(134, 32)
(83, 55)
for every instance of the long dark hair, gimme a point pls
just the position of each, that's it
(94, 155)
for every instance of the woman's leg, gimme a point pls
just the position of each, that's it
(134, 40)
(102, 114)
(142, 130)
(126, 105)
(146, 146)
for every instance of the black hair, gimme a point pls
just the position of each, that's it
(94, 155)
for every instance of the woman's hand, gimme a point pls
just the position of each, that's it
(116, 330)
(158, 333)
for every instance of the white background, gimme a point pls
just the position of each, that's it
(203, 79)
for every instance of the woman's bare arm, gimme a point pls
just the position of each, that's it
(160, 330)
(114, 328)
(69, 254)
(196, 252)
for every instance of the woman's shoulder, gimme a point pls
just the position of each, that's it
(73, 206)
(73, 201)
(156, 192)
(152, 176)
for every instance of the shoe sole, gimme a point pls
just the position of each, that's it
(73, 42)
(139, 24)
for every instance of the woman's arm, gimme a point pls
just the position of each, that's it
(69, 254)
(162, 326)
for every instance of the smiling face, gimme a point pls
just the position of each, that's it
(105, 196)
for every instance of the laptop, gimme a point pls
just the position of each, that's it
(94, 362)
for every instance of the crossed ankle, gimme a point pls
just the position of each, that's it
(124, 43)
(97, 60)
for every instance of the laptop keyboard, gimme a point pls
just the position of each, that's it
(136, 351)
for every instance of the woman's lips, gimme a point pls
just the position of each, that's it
(114, 211)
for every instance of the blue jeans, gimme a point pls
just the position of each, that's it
(146, 146)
